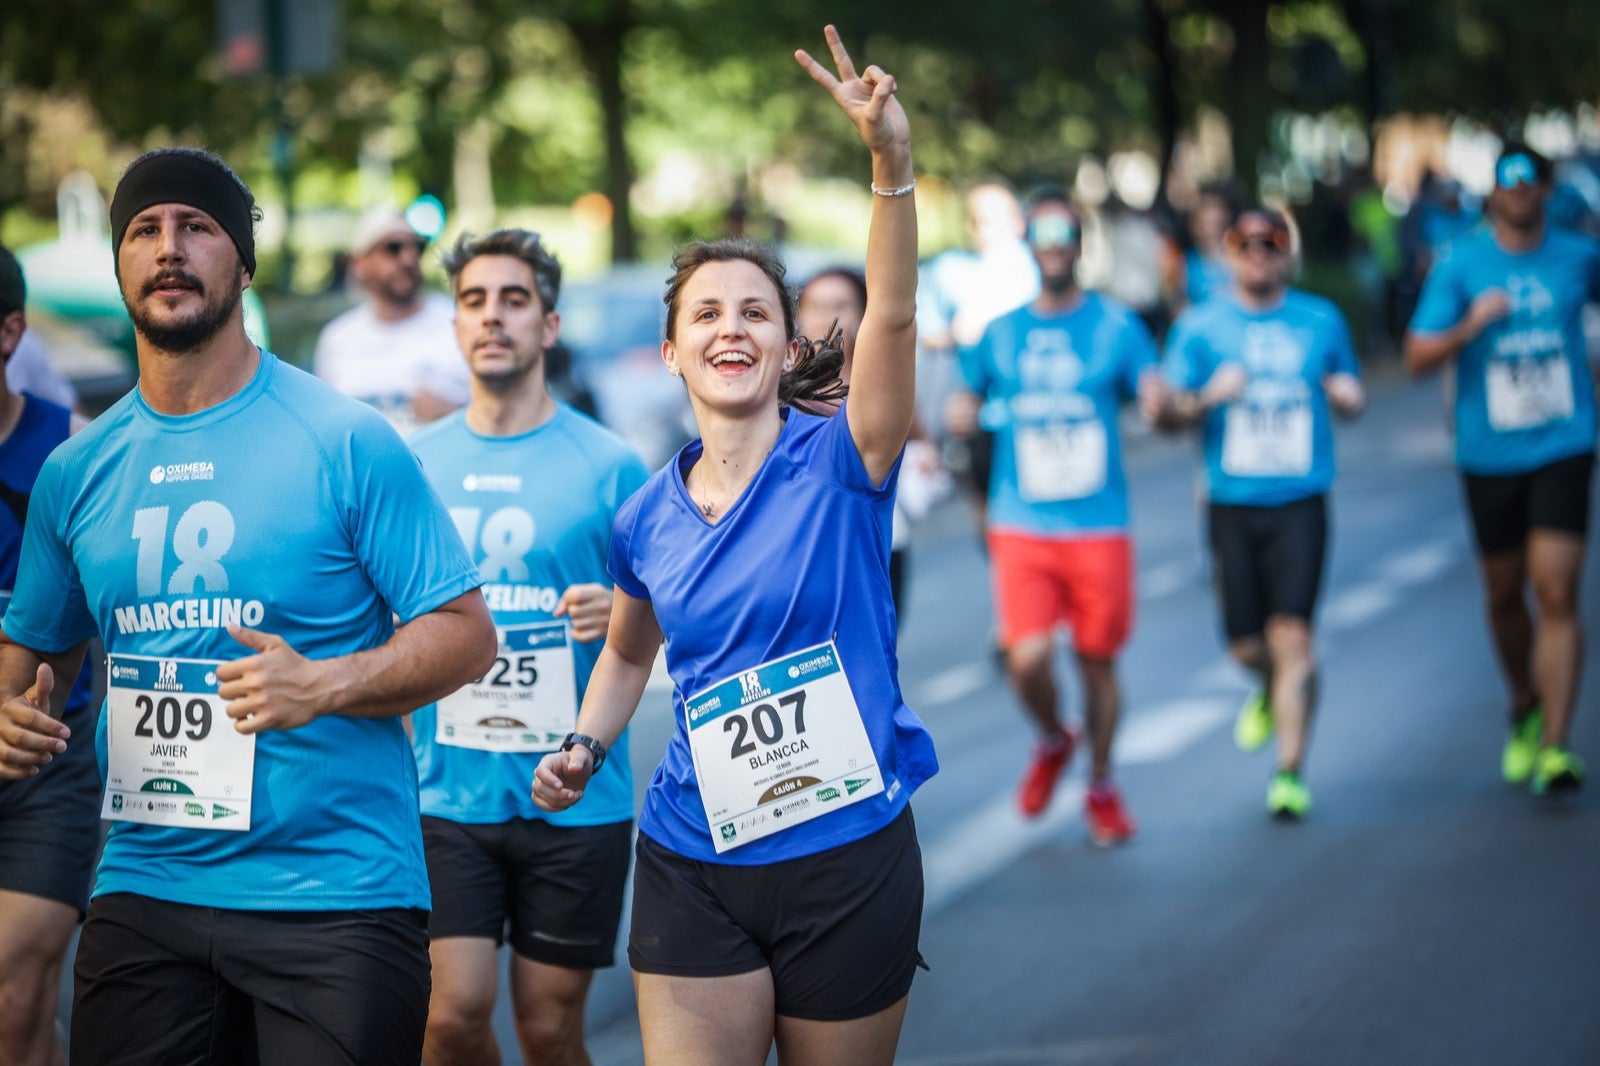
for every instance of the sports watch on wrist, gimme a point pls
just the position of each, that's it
(597, 749)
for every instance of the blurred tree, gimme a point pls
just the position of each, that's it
(566, 96)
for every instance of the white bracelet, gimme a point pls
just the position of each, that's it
(904, 190)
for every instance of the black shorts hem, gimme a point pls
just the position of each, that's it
(727, 969)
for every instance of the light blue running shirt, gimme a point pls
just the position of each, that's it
(1053, 387)
(1273, 445)
(296, 511)
(1524, 392)
(789, 591)
(535, 511)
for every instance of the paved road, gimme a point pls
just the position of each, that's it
(1425, 913)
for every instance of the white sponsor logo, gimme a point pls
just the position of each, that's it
(182, 472)
(492, 482)
(713, 704)
(811, 665)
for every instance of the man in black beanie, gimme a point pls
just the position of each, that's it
(244, 538)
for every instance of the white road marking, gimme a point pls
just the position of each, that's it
(1356, 606)
(956, 683)
(1165, 579)
(1160, 732)
(990, 839)
(1421, 564)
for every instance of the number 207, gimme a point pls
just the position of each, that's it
(764, 719)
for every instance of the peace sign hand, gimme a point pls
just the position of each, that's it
(867, 98)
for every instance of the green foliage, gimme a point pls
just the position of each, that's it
(1022, 88)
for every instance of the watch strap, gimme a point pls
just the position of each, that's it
(596, 749)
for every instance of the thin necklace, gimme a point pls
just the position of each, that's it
(708, 508)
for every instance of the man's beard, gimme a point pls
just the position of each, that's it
(402, 291)
(503, 381)
(183, 335)
(1058, 284)
(1263, 289)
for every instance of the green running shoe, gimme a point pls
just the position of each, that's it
(1557, 771)
(1288, 798)
(1522, 747)
(1253, 728)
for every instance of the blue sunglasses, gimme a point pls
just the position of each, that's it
(1052, 231)
(1515, 170)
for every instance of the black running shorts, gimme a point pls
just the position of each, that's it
(50, 827)
(1505, 508)
(838, 929)
(159, 983)
(1267, 561)
(559, 887)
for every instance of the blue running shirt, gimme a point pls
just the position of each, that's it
(801, 559)
(1275, 444)
(41, 427)
(1524, 393)
(296, 511)
(1054, 386)
(536, 513)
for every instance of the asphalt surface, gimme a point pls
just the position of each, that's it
(1426, 912)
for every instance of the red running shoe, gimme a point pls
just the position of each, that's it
(1109, 824)
(1049, 762)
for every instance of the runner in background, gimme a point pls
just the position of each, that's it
(1262, 372)
(395, 350)
(1050, 379)
(533, 487)
(837, 298)
(1504, 308)
(50, 821)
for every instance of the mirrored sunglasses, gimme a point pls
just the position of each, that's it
(1515, 170)
(395, 247)
(1271, 240)
(1052, 231)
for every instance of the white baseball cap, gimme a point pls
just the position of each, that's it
(376, 224)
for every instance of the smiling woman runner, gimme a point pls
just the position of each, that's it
(778, 892)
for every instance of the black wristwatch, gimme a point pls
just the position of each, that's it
(597, 749)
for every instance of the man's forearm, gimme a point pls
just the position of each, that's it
(427, 658)
(19, 668)
(1423, 353)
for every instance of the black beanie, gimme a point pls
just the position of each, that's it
(181, 176)
(13, 289)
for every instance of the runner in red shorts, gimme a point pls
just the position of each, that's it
(1049, 379)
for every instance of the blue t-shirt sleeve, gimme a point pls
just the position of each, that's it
(1341, 349)
(1443, 300)
(1184, 362)
(842, 460)
(49, 611)
(619, 558)
(401, 532)
(1591, 264)
(629, 477)
(1138, 354)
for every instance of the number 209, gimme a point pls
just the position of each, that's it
(169, 717)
